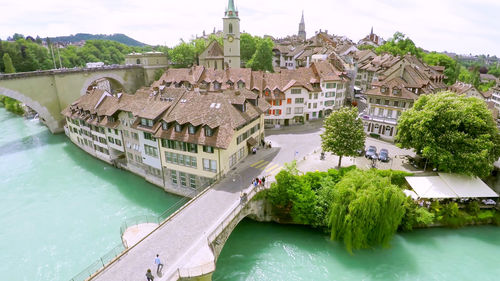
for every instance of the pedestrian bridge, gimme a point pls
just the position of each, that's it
(49, 92)
(189, 241)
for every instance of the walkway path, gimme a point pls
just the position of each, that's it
(177, 241)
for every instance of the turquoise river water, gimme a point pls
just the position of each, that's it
(61, 209)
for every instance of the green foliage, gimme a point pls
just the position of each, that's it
(366, 47)
(118, 37)
(262, 59)
(457, 134)
(248, 46)
(182, 55)
(7, 62)
(366, 210)
(12, 105)
(452, 68)
(495, 70)
(396, 177)
(415, 216)
(400, 45)
(159, 73)
(343, 135)
(473, 208)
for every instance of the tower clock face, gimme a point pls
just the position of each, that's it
(230, 38)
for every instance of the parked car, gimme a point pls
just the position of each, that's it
(384, 155)
(371, 152)
(360, 151)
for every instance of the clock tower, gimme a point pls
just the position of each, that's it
(231, 33)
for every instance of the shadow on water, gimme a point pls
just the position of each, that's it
(30, 142)
(130, 185)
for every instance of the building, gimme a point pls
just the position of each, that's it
(371, 39)
(466, 89)
(212, 56)
(231, 30)
(176, 138)
(302, 28)
(147, 59)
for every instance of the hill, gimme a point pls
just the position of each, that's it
(118, 37)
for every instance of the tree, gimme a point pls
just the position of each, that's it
(182, 55)
(452, 68)
(344, 134)
(248, 45)
(262, 59)
(455, 133)
(7, 62)
(400, 45)
(366, 210)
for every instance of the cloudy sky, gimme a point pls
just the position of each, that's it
(462, 26)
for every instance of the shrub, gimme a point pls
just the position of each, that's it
(375, 135)
(473, 208)
(397, 177)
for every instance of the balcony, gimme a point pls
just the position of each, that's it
(382, 119)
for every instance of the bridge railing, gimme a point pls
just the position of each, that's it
(5, 76)
(196, 271)
(122, 248)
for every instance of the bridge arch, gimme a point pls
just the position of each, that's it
(114, 78)
(42, 111)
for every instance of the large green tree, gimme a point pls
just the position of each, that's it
(452, 68)
(262, 59)
(366, 210)
(455, 133)
(400, 45)
(248, 46)
(343, 135)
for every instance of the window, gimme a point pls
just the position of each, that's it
(377, 101)
(288, 110)
(329, 103)
(110, 139)
(109, 130)
(230, 28)
(310, 96)
(208, 149)
(116, 132)
(164, 125)
(315, 105)
(138, 159)
(210, 165)
(383, 89)
(296, 91)
(316, 96)
(125, 133)
(309, 105)
(149, 136)
(396, 103)
(232, 160)
(130, 156)
(151, 151)
(277, 112)
(208, 131)
(299, 100)
(191, 129)
(298, 110)
(314, 114)
(192, 181)
(386, 102)
(331, 85)
(130, 115)
(216, 84)
(288, 101)
(241, 153)
(241, 84)
(118, 142)
(403, 104)
(135, 136)
(144, 122)
(178, 127)
(173, 175)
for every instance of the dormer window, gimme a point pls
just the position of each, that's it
(144, 122)
(241, 84)
(208, 131)
(164, 125)
(267, 91)
(383, 89)
(216, 85)
(191, 129)
(229, 83)
(396, 91)
(203, 85)
(178, 127)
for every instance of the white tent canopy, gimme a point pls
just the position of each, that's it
(450, 186)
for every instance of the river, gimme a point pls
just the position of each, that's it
(61, 209)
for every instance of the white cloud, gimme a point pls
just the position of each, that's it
(463, 26)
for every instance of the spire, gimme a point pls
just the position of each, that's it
(302, 28)
(302, 19)
(231, 10)
(371, 32)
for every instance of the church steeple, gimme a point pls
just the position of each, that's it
(302, 28)
(231, 11)
(231, 32)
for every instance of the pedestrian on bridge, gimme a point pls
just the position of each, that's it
(158, 263)
(149, 276)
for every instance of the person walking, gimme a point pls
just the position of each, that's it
(158, 263)
(149, 276)
(263, 180)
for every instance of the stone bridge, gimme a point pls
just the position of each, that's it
(49, 92)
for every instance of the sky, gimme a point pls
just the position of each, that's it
(460, 26)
